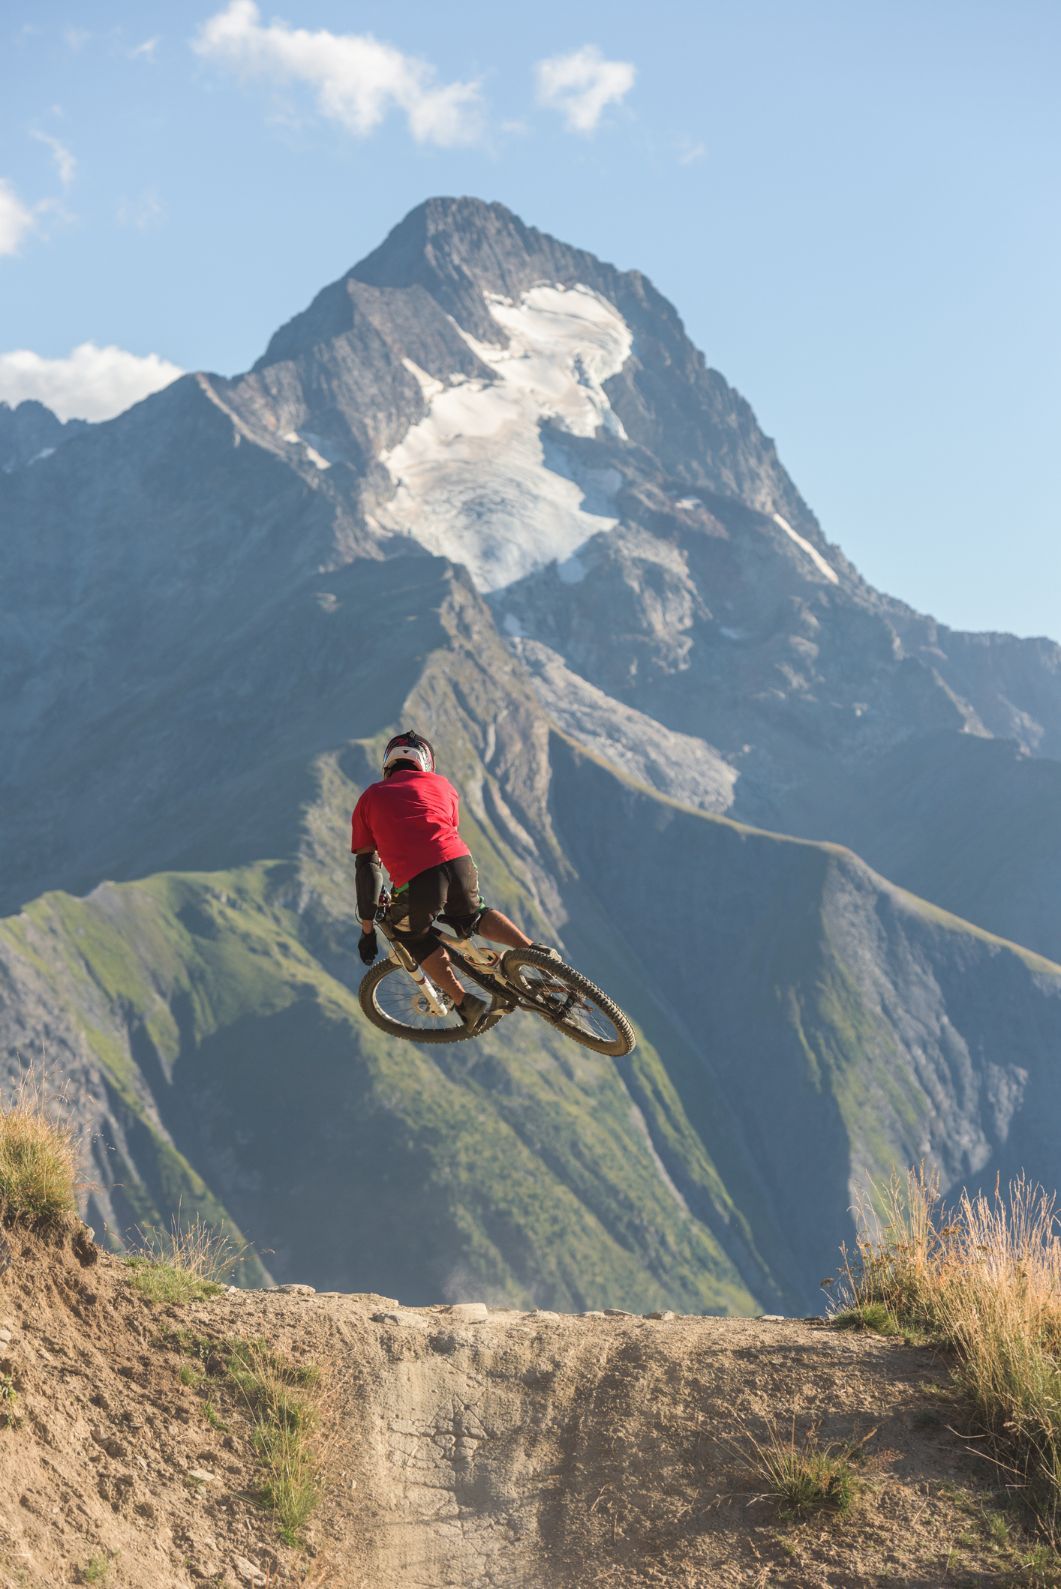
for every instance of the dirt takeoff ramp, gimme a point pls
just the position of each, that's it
(462, 1448)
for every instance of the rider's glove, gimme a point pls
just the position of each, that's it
(368, 947)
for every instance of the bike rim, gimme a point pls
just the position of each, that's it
(565, 1006)
(400, 1001)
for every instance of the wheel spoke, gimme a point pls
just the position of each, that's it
(400, 999)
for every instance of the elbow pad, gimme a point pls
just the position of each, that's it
(368, 879)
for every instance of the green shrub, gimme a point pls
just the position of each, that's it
(802, 1475)
(282, 1400)
(873, 1316)
(186, 1265)
(164, 1282)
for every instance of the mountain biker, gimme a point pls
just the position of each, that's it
(410, 820)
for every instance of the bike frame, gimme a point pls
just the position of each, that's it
(474, 958)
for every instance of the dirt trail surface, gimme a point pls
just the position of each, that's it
(462, 1447)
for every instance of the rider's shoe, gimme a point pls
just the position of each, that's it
(472, 1011)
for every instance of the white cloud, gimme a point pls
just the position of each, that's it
(582, 84)
(76, 38)
(357, 80)
(689, 152)
(90, 383)
(145, 51)
(65, 163)
(15, 219)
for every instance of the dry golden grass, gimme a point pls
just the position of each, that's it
(985, 1279)
(38, 1157)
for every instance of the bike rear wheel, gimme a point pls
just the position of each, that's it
(569, 1001)
(393, 1002)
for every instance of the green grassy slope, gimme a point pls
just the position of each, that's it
(508, 1168)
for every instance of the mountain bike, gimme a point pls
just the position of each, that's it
(400, 998)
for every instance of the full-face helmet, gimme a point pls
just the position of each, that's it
(410, 749)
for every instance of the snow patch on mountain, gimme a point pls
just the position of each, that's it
(812, 551)
(474, 478)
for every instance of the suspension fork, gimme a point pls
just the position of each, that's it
(401, 955)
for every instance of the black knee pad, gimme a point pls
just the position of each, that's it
(413, 930)
(418, 944)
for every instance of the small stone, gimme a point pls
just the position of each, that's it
(249, 1572)
(305, 1291)
(5, 1337)
(544, 1313)
(470, 1312)
(204, 1569)
(617, 1313)
(200, 1476)
(770, 1318)
(394, 1316)
(661, 1313)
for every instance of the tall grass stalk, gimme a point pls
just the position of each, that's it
(984, 1277)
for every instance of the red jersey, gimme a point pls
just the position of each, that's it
(411, 819)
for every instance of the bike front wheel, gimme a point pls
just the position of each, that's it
(569, 1001)
(393, 1002)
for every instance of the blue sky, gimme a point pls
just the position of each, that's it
(854, 208)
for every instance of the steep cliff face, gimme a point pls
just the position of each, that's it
(485, 483)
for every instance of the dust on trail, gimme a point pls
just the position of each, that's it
(526, 1451)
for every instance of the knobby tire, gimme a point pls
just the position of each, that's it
(519, 960)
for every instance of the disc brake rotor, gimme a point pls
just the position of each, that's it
(422, 1006)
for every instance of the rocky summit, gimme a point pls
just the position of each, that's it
(484, 484)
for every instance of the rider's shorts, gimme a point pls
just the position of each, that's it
(450, 892)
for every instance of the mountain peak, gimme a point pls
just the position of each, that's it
(460, 248)
(467, 228)
(439, 293)
(456, 250)
(442, 214)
